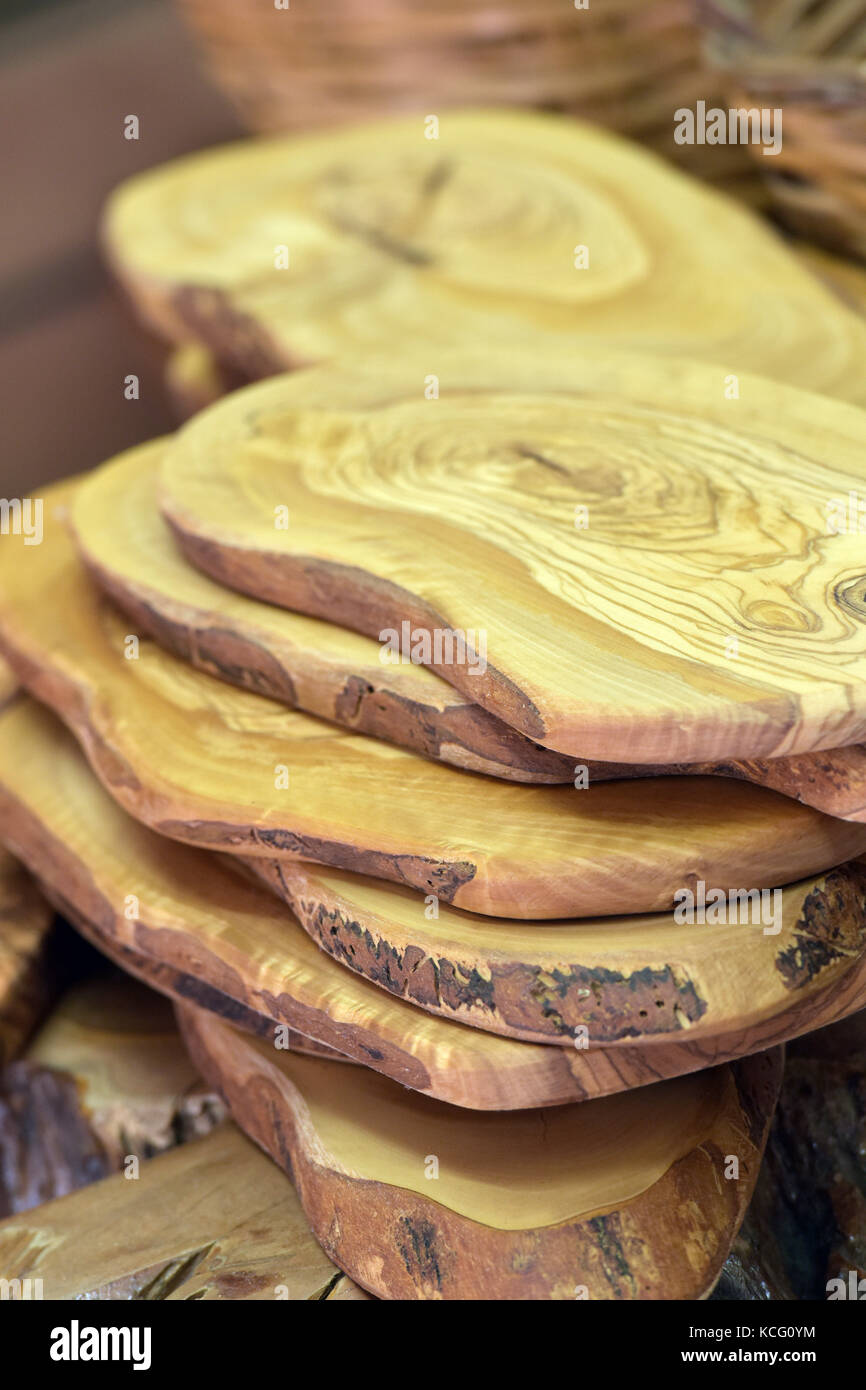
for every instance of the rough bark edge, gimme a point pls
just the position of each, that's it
(668, 1243)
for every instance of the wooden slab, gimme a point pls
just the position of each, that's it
(621, 978)
(337, 674)
(523, 1207)
(471, 236)
(700, 610)
(309, 664)
(644, 979)
(226, 944)
(204, 935)
(202, 762)
(213, 1219)
(28, 977)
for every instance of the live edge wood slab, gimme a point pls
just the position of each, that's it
(226, 769)
(218, 940)
(309, 664)
(338, 675)
(625, 1197)
(181, 919)
(287, 251)
(636, 568)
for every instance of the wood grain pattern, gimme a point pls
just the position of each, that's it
(204, 935)
(208, 764)
(522, 1208)
(244, 1236)
(233, 949)
(28, 979)
(337, 674)
(621, 978)
(309, 664)
(707, 609)
(182, 920)
(469, 237)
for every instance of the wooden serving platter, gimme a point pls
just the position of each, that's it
(636, 568)
(200, 933)
(521, 1206)
(309, 664)
(595, 982)
(295, 250)
(213, 1219)
(194, 929)
(227, 769)
(337, 674)
(613, 979)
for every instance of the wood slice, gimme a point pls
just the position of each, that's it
(523, 1207)
(645, 979)
(28, 976)
(204, 935)
(195, 930)
(207, 764)
(213, 1219)
(627, 978)
(468, 237)
(635, 568)
(338, 675)
(309, 664)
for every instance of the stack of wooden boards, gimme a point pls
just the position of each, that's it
(500, 739)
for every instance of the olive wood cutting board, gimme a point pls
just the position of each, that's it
(602, 550)
(338, 674)
(226, 769)
(499, 226)
(625, 1197)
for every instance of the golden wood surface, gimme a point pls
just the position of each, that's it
(522, 1205)
(471, 236)
(641, 570)
(225, 769)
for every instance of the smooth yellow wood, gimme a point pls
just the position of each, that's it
(631, 980)
(517, 1206)
(312, 665)
(660, 574)
(186, 909)
(208, 764)
(286, 251)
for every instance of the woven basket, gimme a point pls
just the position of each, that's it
(809, 60)
(624, 64)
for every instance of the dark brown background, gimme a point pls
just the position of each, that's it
(69, 74)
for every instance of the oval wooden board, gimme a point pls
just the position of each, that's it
(337, 674)
(522, 1207)
(698, 607)
(207, 764)
(508, 225)
(309, 664)
(621, 978)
